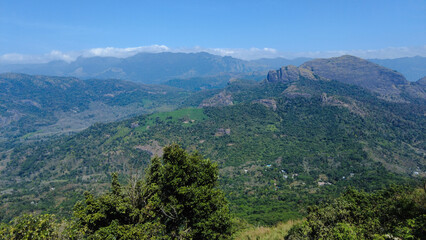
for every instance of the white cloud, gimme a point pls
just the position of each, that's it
(242, 53)
(247, 54)
(123, 52)
(58, 55)
(12, 57)
(17, 58)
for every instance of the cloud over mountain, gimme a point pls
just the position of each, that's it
(241, 53)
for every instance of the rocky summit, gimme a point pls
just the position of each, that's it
(290, 74)
(357, 71)
(389, 84)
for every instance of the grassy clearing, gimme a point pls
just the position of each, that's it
(266, 233)
(196, 114)
(122, 131)
(187, 116)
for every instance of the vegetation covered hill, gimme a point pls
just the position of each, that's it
(36, 106)
(279, 147)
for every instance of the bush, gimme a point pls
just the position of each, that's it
(395, 212)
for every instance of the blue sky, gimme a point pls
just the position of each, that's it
(40, 30)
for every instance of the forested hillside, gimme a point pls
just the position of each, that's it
(212, 120)
(280, 147)
(38, 106)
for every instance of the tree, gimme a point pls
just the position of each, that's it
(181, 188)
(394, 213)
(30, 226)
(177, 199)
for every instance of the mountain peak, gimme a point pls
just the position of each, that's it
(347, 57)
(389, 84)
(358, 71)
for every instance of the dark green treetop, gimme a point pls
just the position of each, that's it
(177, 199)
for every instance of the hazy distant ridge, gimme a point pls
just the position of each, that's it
(160, 67)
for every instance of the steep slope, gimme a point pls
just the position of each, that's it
(33, 106)
(390, 85)
(421, 82)
(277, 152)
(357, 71)
(415, 91)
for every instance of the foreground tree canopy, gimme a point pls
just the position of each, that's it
(177, 199)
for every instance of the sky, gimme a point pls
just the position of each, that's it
(40, 31)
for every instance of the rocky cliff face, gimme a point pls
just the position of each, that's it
(357, 71)
(389, 84)
(219, 100)
(290, 74)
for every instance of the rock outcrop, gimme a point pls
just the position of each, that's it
(269, 103)
(290, 74)
(219, 100)
(357, 71)
(389, 84)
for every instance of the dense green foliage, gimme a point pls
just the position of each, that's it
(177, 199)
(320, 137)
(394, 213)
(398, 212)
(31, 227)
(277, 147)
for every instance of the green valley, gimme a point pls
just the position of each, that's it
(34, 107)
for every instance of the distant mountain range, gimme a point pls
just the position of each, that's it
(161, 67)
(150, 67)
(413, 68)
